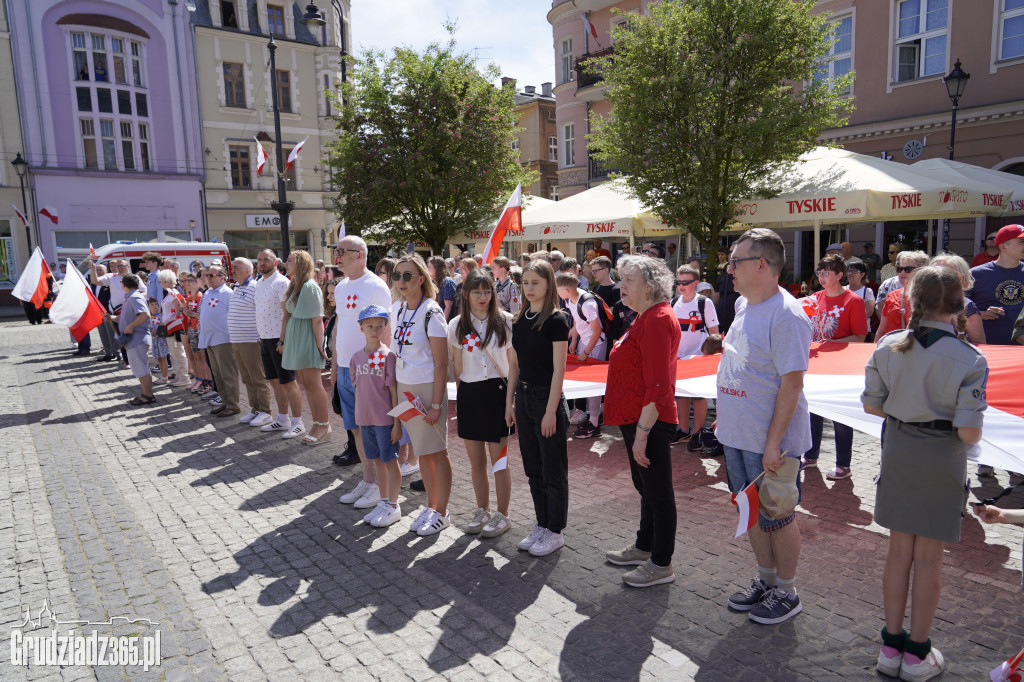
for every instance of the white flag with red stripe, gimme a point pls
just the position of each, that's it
(92, 252)
(76, 306)
(501, 463)
(747, 501)
(261, 157)
(50, 212)
(410, 408)
(24, 220)
(294, 154)
(511, 220)
(32, 286)
(588, 27)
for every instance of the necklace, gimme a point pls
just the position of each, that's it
(527, 315)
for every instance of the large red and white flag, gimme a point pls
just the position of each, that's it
(32, 286)
(501, 463)
(261, 157)
(294, 154)
(50, 212)
(747, 500)
(589, 27)
(511, 220)
(24, 220)
(76, 307)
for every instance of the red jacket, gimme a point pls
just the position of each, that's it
(642, 368)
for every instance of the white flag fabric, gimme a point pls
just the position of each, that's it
(32, 286)
(294, 154)
(261, 157)
(76, 307)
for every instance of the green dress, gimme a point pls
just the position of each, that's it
(300, 347)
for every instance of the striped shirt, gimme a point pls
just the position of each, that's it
(242, 313)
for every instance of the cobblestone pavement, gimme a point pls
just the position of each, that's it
(237, 546)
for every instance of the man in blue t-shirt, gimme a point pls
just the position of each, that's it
(999, 286)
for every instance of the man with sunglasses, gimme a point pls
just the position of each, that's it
(989, 253)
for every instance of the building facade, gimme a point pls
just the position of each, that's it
(537, 141)
(109, 114)
(14, 242)
(236, 103)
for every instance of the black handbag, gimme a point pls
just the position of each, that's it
(336, 400)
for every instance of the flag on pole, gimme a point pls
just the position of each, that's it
(501, 463)
(24, 220)
(1008, 671)
(76, 306)
(810, 305)
(341, 229)
(511, 220)
(747, 501)
(50, 212)
(294, 154)
(589, 27)
(92, 252)
(410, 408)
(261, 157)
(32, 286)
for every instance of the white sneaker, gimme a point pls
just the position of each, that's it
(369, 499)
(376, 511)
(479, 520)
(272, 426)
(547, 544)
(409, 469)
(247, 418)
(388, 516)
(435, 524)
(498, 524)
(261, 419)
(421, 518)
(294, 432)
(577, 416)
(355, 493)
(532, 538)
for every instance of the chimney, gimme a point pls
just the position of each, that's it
(545, 89)
(507, 82)
(531, 90)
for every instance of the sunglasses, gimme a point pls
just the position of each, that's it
(734, 261)
(907, 268)
(684, 282)
(401, 276)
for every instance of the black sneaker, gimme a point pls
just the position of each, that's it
(586, 430)
(418, 486)
(744, 600)
(694, 444)
(680, 435)
(346, 459)
(776, 607)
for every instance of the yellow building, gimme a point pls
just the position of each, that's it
(537, 141)
(14, 251)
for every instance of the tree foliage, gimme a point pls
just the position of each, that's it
(704, 106)
(424, 150)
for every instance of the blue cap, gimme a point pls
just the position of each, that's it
(834, 247)
(373, 311)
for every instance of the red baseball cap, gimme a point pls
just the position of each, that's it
(1008, 232)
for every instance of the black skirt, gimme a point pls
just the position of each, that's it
(481, 406)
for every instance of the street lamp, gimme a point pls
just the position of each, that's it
(956, 83)
(21, 168)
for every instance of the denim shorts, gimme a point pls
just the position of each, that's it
(742, 467)
(347, 393)
(377, 443)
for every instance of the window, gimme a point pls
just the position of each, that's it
(141, 105)
(284, 90)
(275, 19)
(239, 155)
(327, 96)
(227, 14)
(84, 99)
(841, 55)
(515, 144)
(234, 85)
(921, 41)
(89, 143)
(78, 54)
(1011, 44)
(136, 64)
(124, 102)
(109, 146)
(127, 146)
(289, 176)
(103, 100)
(117, 46)
(552, 148)
(568, 140)
(144, 145)
(566, 61)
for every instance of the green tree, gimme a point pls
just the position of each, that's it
(705, 108)
(424, 149)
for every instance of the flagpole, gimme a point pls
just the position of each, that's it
(282, 205)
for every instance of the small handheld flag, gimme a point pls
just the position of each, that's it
(501, 463)
(92, 252)
(405, 411)
(261, 157)
(1008, 671)
(747, 502)
(810, 305)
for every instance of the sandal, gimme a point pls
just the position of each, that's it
(312, 440)
(142, 400)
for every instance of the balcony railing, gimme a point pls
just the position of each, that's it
(586, 74)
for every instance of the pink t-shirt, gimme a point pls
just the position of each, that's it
(372, 373)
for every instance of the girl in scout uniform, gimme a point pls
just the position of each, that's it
(930, 388)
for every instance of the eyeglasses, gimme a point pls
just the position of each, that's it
(556, 260)
(734, 261)
(684, 282)
(401, 276)
(341, 250)
(822, 273)
(481, 293)
(907, 268)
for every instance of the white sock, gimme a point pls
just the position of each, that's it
(282, 419)
(788, 585)
(768, 575)
(297, 421)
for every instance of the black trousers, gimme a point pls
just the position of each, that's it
(545, 460)
(657, 533)
(34, 314)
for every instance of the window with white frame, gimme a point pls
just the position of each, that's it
(566, 61)
(234, 85)
(515, 144)
(108, 72)
(921, 38)
(275, 19)
(568, 144)
(841, 55)
(238, 155)
(1011, 39)
(553, 148)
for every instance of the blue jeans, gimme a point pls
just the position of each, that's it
(844, 441)
(347, 393)
(377, 443)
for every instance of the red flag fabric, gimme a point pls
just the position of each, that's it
(747, 501)
(76, 306)
(501, 463)
(261, 157)
(589, 27)
(92, 251)
(294, 155)
(24, 220)
(33, 286)
(50, 212)
(1008, 671)
(511, 221)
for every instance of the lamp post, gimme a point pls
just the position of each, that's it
(283, 206)
(956, 83)
(21, 168)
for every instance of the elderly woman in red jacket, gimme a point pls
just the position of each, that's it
(641, 401)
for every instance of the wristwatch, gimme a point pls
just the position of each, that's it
(435, 406)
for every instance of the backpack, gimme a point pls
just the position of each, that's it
(709, 444)
(604, 313)
(701, 302)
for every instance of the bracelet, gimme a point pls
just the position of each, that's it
(640, 428)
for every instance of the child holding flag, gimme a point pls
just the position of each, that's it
(930, 388)
(480, 338)
(372, 369)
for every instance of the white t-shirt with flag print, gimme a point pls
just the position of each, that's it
(350, 297)
(688, 314)
(411, 344)
(476, 365)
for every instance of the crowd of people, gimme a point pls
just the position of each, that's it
(505, 331)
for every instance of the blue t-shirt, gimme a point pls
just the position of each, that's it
(1001, 287)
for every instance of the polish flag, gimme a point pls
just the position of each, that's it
(76, 306)
(410, 408)
(810, 305)
(92, 252)
(32, 286)
(502, 462)
(294, 155)
(588, 27)
(24, 220)
(261, 157)
(50, 212)
(747, 501)
(1008, 671)
(511, 221)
